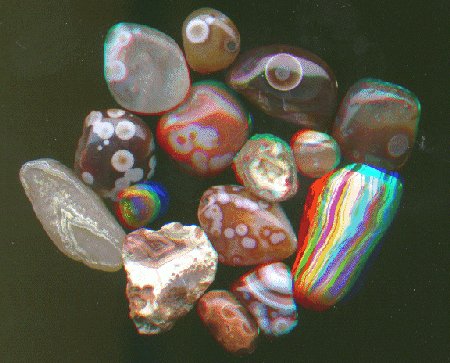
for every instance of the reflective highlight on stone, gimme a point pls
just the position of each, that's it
(377, 123)
(228, 322)
(74, 217)
(244, 229)
(288, 83)
(141, 204)
(345, 216)
(267, 294)
(315, 153)
(211, 41)
(265, 166)
(115, 150)
(167, 271)
(145, 69)
(205, 132)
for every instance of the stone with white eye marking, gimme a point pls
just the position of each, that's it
(115, 150)
(211, 41)
(284, 72)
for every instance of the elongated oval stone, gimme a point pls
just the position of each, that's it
(167, 270)
(346, 214)
(73, 216)
(145, 69)
(244, 229)
(267, 293)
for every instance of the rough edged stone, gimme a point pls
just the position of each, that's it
(167, 270)
(73, 216)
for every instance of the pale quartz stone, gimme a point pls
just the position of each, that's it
(74, 217)
(167, 270)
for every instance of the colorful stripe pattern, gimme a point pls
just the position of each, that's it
(346, 214)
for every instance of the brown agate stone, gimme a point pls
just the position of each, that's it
(244, 229)
(377, 123)
(211, 40)
(228, 322)
(288, 83)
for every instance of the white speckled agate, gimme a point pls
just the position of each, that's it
(73, 216)
(145, 69)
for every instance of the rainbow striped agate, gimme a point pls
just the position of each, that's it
(141, 204)
(346, 214)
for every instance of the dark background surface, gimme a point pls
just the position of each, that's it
(56, 310)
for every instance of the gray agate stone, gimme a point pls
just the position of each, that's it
(74, 217)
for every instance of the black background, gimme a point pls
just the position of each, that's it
(53, 309)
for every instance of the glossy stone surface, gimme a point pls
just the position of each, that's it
(140, 204)
(265, 166)
(228, 322)
(74, 217)
(145, 69)
(377, 123)
(115, 150)
(167, 271)
(346, 213)
(288, 83)
(315, 153)
(206, 131)
(211, 41)
(267, 294)
(244, 229)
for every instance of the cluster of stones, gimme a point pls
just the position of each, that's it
(205, 128)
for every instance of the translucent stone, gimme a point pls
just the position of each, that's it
(167, 271)
(377, 123)
(245, 230)
(73, 216)
(145, 69)
(228, 322)
(211, 41)
(265, 166)
(315, 153)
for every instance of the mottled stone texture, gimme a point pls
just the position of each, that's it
(228, 322)
(377, 123)
(73, 216)
(167, 270)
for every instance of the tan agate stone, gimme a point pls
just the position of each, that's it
(211, 40)
(167, 271)
(228, 322)
(244, 229)
(74, 217)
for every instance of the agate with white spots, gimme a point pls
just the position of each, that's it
(115, 150)
(244, 229)
(145, 69)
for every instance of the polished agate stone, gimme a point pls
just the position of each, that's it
(167, 271)
(206, 131)
(211, 40)
(265, 166)
(267, 293)
(244, 229)
(288, 83)
(115, 150)
(345, 215)
(145, 69)
(315, 153)
(228, 322)
(74, 217)
(377, 123)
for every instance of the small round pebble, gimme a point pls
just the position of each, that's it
(315, 153)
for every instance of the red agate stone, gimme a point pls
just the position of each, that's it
(267, 294)
(115, 150)
(205, 132)
(377, 123)
(228, 322)
(244, 229)
(287, 82)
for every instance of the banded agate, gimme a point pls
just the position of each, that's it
(346, 213)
